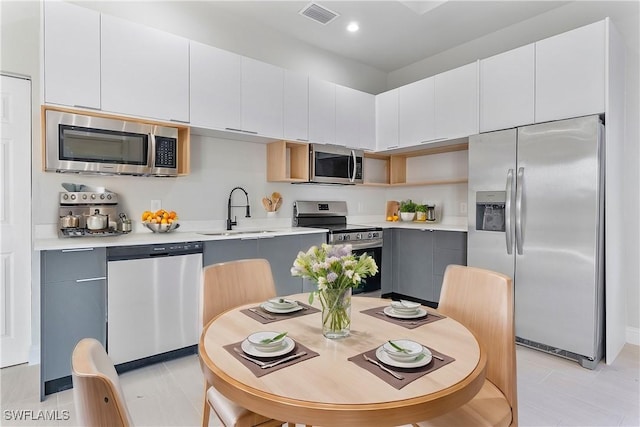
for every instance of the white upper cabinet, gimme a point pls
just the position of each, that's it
(347, 117)
(262, 98)
(570, 73)
(71, 55)
(322, 111)
(507, 89)
(145, 72)
(355, 118)
(456, 108)
(416, 113)
(215, 89)
(367, 110)
(296, 106)
(387, 120)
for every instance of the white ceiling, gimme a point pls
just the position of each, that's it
(393, 34)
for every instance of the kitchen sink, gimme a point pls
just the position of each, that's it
(234, 233)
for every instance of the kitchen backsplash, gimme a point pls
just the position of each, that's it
(217, 166)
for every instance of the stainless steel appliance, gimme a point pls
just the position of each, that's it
(153, 296)
(334, 164)
(88, 144)
(536, 214)
(85, 206)
(332, 215)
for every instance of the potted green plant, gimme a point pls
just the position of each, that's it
(407, 210)
(421, 212)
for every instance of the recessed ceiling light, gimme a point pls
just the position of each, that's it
(353, 27)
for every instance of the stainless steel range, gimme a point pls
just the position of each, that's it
(88, 214)
(332, 215)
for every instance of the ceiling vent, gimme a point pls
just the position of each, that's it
(318, 13)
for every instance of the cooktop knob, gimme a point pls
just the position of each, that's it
(84, 197)
(73, 197)
(93, 196)
(359, 236)
(65, 196)
(102, 196)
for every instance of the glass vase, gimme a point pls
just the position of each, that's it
(336, 312)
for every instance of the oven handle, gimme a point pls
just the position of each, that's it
(352, 176)
(369, 244)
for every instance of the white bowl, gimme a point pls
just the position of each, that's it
(282, 303)
(257, 339)
(412, 350)
(405, 307)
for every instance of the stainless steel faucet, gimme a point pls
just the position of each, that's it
(229, 206)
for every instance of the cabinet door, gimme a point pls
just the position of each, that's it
(296, 106)
(507, 89)
(413, 251)
(73, 264)
(456, 94)
(416, 113)
(450, 248)
(367, 111)
(281, 251)
(216, 251)
(387, 120)
(145, 72)
(570, 73)
(71, 55)
(70, 311)
(215, 87)
(347, 117)
(387, 267)
(262, 98)
(322, 111)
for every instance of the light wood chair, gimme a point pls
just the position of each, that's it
(482, 300)
(97, 394)
(228, 285)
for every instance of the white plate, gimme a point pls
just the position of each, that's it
(420, 312)
(272, 309)
(287, 347)
(384, 358)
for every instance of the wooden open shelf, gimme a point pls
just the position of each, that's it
(396, 167)
(287, 161)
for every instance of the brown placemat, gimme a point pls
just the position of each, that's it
(257, 370)
(409, 374)
(407, 323)
(264, 314)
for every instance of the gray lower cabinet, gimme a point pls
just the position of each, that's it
(280, 251)
(387, 267)
(420, 258)
(73, 304)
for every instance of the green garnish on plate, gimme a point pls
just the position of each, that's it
(276, 338)
(397, 347)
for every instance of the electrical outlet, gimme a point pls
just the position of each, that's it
(463, 207)
(156, 205)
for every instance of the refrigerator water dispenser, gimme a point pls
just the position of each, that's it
(490, 206)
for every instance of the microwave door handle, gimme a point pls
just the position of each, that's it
(353, 174)
(151, 157)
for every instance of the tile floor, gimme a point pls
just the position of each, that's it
(551, 392)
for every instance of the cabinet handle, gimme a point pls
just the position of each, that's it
(234, 129)
(250, 131)
(432, 140)
(92, 279)
(301, 139)
(266, 237)
(179, 121)
(392, 146)
(78, 250)
(87, 107)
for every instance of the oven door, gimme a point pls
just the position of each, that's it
(373, 283)
(332, 164)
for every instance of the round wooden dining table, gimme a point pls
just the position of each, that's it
(330, 390)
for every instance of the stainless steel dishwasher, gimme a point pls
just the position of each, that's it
(153, 294)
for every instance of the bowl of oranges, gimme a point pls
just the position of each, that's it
(160, 221)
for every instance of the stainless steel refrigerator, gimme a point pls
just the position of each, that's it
(536, 213)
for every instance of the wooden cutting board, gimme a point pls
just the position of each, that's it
(393, 208)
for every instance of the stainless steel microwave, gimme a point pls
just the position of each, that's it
(334, 164)
(99, 145)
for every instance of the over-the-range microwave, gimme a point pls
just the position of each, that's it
(99, 145)
(334, 164)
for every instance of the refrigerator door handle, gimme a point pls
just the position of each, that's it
(519, 190)
(507, 212)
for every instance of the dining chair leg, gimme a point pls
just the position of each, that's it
(206, 409)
